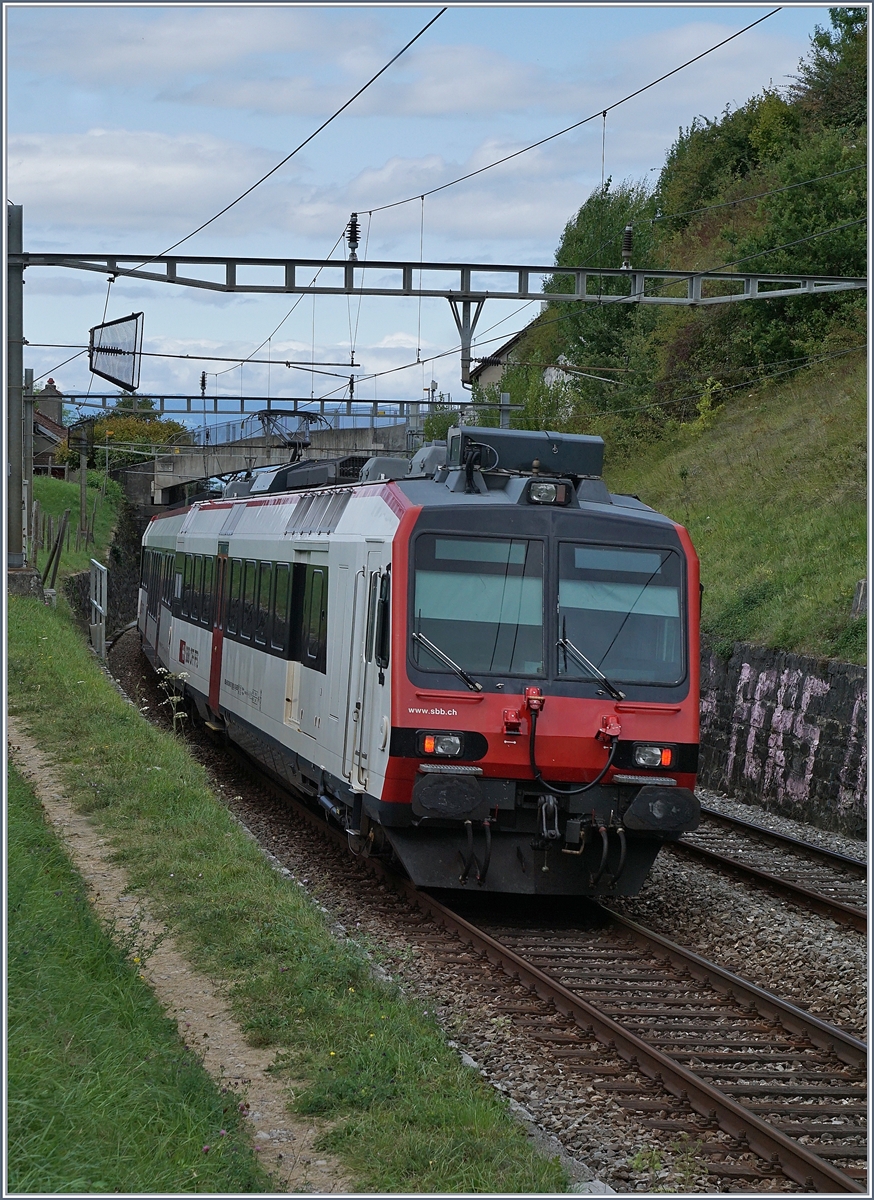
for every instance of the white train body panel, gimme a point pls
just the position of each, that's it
(336, 718)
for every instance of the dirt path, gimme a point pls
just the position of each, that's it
(284, 1144)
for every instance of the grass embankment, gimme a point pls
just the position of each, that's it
(772, 488)
(407, 1115)
(103, 1094)
(56, 495)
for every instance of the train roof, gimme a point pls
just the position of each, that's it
(476, 467)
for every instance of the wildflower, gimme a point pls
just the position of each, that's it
(223, 1133)
(373, 1035)
(136, 958)
(206, 1149)
(352, 990)
(333, 1055)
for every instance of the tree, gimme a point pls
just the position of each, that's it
(125, 436)
(832, 84)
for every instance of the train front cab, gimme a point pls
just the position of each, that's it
(545, 698)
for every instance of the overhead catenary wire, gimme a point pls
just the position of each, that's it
(577, 124)
(691, 212)
(295, 364)
(694, 396)
(625, 299)
(300, 147)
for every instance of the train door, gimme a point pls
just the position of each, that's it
(364, 711)
(357, 663)
(218, 626)
(170, 585)
(312, 698)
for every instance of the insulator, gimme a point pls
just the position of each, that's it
(203, 383)
(353, 233)
(627, 239)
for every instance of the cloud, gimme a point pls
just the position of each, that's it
(394, 341)
(133, 47)
(121, 179)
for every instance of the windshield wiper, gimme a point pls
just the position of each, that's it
(444, 658)
(567, 644)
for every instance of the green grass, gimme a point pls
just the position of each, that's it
(103, 1096)
(407, 1115)
(773, 493)
(55, 495)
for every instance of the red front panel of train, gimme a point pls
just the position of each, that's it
(552, 608)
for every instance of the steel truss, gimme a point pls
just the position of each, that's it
(462, 284)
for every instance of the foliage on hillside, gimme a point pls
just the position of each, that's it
(773, 491)
(752, 189)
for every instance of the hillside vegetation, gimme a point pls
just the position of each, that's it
(771, 476)
(773, 491)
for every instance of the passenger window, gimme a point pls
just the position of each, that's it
(194, 601)
(279, 632)
(262, 612)
(235, 587)
(247, 621)
(206, 594)
(315, 622)
(166, 574)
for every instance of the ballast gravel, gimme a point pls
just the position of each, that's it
(802, 957)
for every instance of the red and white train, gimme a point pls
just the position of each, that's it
(482, 662)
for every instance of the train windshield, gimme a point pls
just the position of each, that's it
(620, 608)
(479, 601)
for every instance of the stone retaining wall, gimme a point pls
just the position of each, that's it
(787, 732)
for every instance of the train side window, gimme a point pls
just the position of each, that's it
(186, 584)
(166, 574)
(315, 622)
(235, 587)
(282, 596)
(206, 591)
(262, 610)
(247, 620)
(151, 582)
(383, 621)
(194, 600)
(371, 615)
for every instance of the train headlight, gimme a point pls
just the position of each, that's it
(542, 491)
(442, 745)
(653, 756)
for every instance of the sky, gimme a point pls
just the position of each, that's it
(128, 126)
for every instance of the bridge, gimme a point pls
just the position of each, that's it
(164, 477)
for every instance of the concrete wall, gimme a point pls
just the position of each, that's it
(379, 440)
(787, 732)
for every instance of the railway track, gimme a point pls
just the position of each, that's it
(820, 880)
(781, 1082)
(767, 1094)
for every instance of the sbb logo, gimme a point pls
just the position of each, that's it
(187, 654)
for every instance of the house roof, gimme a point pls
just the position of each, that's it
(49, 428)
